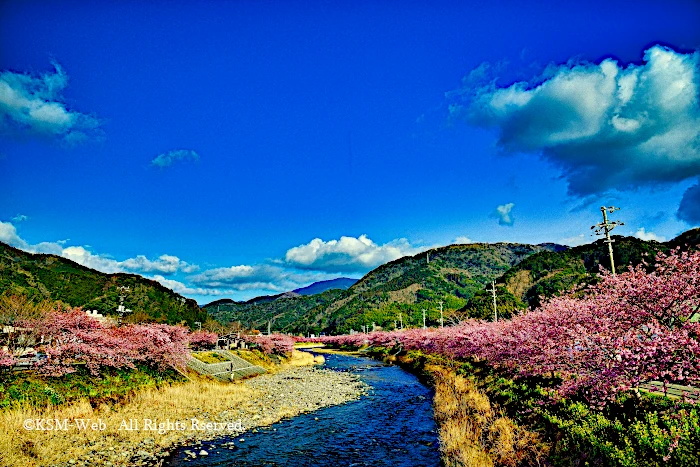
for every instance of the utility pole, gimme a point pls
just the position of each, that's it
(269, 325)
(395, 326)
(442, 322)
(427, 258)
(605, 228)
(424, 318)
(401, 319)
(493, 294)
(120, 309)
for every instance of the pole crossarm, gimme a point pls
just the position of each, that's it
(604, 228)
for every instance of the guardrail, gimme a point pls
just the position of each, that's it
(674, 391)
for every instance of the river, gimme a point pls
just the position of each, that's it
(391, 426)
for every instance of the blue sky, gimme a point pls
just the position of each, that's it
(232, 149)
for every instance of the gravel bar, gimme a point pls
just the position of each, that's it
(281, 395)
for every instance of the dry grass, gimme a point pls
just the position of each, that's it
(180, 402)
(472, 433)
(198, 398)
(210, 357)
(299, 358)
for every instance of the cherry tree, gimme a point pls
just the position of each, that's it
(203, 339)
(627, 328)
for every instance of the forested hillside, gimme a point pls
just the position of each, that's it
(459, 276)
(548, 273)
(396, 291)
(51, 277)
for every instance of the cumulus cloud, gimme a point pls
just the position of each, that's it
(573, 241)
(165, 264)
(182, 289)
(169, 158)
(689, 209)
(35, 105)
(462, 240)
(348, 254)
(503, 214)
(269, 277)
(231, 276)
(8, 234)
(606, 126)
(647, 236)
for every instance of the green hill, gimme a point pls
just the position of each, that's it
(550, 273)
(398, 290)
(456, 275)
(50, 277)
(321, 286)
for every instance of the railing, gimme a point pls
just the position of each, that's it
(674, 391)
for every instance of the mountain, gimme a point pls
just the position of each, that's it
(402, 287)
(285, 311)
(343, 283)
(550, 273)
(51, 277)
(457, 276)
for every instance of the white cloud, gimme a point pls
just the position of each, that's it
(169, 158)
(574, 241)
(182, 289)
(502, 213)
(348, 254)
(606, 126)
(20, 218)
(647, 236)
(30, 104)
(8, 234)
(269, 277)
(462, 240)
(165, 264)
(86, 258)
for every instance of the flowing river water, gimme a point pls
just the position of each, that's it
(391, 426)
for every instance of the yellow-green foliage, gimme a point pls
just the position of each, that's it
(210, 357)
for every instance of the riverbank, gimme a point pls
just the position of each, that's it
(486, 418)
(473, 430)
(391, 426)
(144, 429)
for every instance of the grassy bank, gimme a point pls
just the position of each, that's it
(27, 389)
(486, 418)
(113, 398)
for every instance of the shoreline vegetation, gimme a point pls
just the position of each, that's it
(142, 428)
(487, 419)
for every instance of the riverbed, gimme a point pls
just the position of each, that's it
(391, 425)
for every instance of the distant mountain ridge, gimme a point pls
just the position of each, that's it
(342, 283)
(457, 276)
(452, 273)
